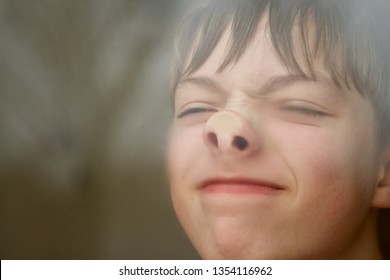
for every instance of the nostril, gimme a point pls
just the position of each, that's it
(213, 139)
(240, 143)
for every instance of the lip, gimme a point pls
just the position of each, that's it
(239, 186)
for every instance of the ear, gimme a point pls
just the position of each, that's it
(381, 198)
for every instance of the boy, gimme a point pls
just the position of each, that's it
(280, 144)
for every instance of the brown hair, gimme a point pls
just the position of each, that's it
(358, 31)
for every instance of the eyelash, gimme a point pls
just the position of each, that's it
(306, 111)
(194, 111)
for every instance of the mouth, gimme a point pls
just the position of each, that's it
(239, 186)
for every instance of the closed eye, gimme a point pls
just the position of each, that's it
(194, 110)
(306, 111)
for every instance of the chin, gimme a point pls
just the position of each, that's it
(237, 254)
(236, 249)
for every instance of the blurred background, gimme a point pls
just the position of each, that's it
(84, 114)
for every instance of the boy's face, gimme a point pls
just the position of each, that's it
(268, 165)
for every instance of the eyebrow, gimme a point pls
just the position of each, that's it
(202, 81)
(271, 85)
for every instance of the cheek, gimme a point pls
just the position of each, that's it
(333, 171)
(330, 192)
(182, 150)
(183, 155)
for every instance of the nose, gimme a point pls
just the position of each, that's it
(228, 132)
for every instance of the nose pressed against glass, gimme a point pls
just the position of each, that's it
(229, 132)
